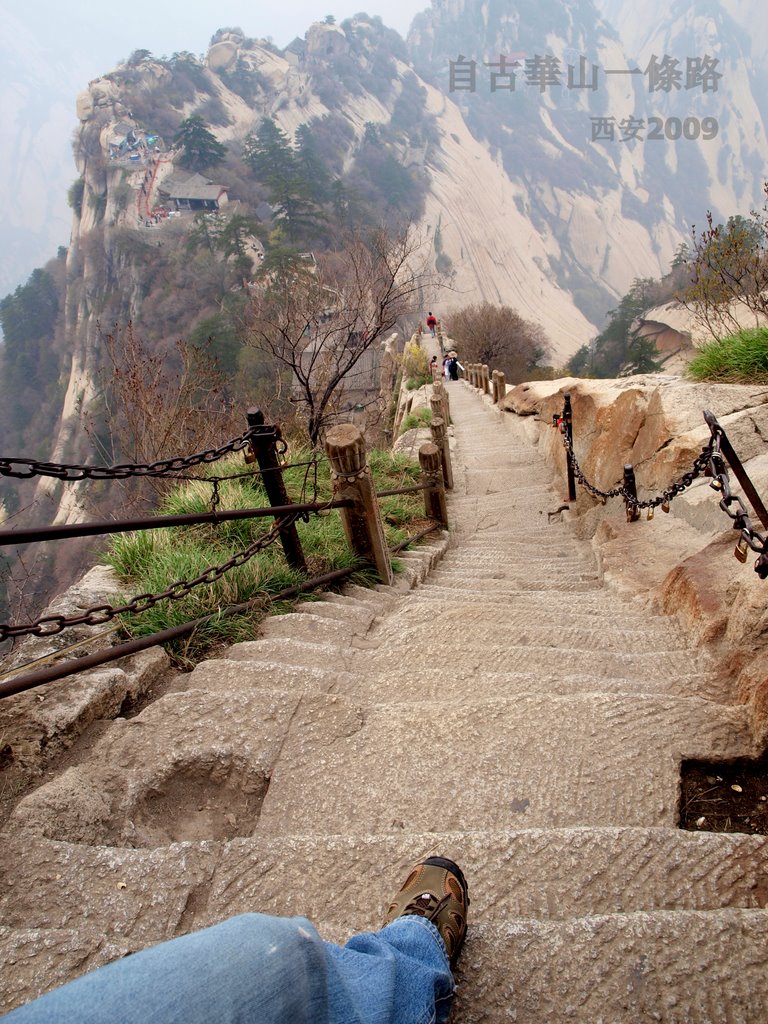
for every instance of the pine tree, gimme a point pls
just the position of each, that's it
(200, 148)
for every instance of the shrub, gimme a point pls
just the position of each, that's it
(420, 418)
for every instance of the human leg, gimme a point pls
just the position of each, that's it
(255, 968)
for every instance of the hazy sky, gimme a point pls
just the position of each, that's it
(103, 33)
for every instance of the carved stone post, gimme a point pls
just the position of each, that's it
(431, 473)
(495, 386)
(501, 384)
(484, 384)
(440, 440)
(351, 475)
(441, 394)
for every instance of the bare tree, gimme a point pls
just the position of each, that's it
(499, 337)
(318, 320)
(728, 270)
(157, 407)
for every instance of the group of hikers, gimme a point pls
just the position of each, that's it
(451, 364)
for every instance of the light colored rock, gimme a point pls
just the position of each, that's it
(222, 56)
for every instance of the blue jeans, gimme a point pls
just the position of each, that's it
(255, 969)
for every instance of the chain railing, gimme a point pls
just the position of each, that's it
(354, 496)
(713, 461)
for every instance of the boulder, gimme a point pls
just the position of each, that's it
(222, 56)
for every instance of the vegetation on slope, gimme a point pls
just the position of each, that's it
(740, 358)
(150, 561)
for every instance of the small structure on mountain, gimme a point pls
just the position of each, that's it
(193, 192)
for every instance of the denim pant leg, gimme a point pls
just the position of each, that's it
(255, 969)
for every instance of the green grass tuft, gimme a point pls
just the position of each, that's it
(421, 418)
(739, 359)
(150, 561)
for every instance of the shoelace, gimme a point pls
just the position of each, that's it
(426, 905)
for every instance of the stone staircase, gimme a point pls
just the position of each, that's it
(508, 712)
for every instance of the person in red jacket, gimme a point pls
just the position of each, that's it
(431, 323)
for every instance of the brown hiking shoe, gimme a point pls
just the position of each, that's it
(436, 889)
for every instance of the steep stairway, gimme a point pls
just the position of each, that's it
(507, 712)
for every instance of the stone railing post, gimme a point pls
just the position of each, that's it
(495, 386)
(440, 440)
(435, 506)
(438, 403)
(501, 385)
(351, 476)
(484, 373)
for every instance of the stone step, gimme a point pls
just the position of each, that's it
(192, 764)
(475, 656)
(464, 685)
(461, 685)
(35, 960)
(530, 762)
(568, 584)
(355, 613)
(595, 602)
(367, 658)
(240, 676)
(676, 967)
(308, 626)
(140, 896)
(492, 625)
(501, 626)
(535, 563)
(327, 657)
(588, 608)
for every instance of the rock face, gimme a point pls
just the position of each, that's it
(682, 563)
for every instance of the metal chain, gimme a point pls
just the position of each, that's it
(51, 625)
(700, 465)
(750, 537)
(164, 467)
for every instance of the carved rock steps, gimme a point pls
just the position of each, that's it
(533, 738)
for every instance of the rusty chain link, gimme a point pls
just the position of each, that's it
(52, 625)
(163, 467)
(700, 465)
(750, 537)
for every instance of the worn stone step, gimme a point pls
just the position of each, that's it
(352, 612)
(592, 759)
(142, 896)
(290, 652)
(595, 602)
(34, 960)
(168, 773)
(466, 684)
(431, 599)
(676, 967)
(524, 580)
(220, 674)
(471, 655)
(500, 626)
(308, 626)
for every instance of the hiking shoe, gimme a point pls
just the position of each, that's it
(436, 889)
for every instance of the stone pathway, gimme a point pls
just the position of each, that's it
(509, 713)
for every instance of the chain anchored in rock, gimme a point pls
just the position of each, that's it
(750, 537)
(700, 465)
